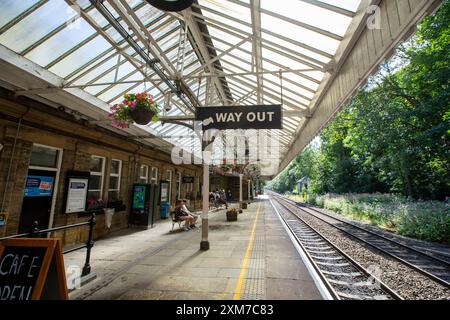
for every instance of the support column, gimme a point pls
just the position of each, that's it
(204, 244)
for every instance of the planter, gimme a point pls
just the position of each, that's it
(142, 116)
(232, 215)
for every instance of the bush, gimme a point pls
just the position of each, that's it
(426, 220)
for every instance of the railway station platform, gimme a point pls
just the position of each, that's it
(252, 258)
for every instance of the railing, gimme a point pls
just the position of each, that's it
(89, 244)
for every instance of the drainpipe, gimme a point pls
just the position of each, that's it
(240, 190)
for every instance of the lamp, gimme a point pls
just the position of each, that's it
(167, 101)
(171, 5)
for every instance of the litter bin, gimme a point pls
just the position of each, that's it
(164, 209)
(109, 212)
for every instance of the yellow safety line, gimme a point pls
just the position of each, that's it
(240, 284)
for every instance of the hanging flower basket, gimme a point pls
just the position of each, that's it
(140, 108)
(141, 115)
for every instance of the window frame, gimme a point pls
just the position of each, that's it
(117, 175)
(154, 180)
(102, 175)
(143, 178)
(57, 169)
(58, 158)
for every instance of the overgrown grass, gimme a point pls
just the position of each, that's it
(425, 220)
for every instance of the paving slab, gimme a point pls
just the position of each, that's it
(252, 258)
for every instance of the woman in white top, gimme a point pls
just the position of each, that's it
(193, 215)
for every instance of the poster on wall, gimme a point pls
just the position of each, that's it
(164, 191)
(39, 186)
(77, 195)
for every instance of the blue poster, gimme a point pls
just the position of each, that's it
(39, 186)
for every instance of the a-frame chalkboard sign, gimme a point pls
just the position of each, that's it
(32, 269)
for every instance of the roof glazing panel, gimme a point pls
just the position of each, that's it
(299, 38)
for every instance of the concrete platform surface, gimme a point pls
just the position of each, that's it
(252, 258)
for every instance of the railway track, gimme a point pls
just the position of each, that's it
(430, 265)
(344, 278)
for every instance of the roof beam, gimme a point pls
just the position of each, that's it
(188, 99)
(187, 17)
(303, 25)
(330, 7)
(22, 16)
(257, 48)
(297, 72)
(136, 63)
(223, 53)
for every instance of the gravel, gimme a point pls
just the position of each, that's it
(407, 282)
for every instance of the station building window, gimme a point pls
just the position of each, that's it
(154, 176)
(97, 169)
(43, 156)
(114, 180)
(143, 174)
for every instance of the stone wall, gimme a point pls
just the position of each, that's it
(78, 142)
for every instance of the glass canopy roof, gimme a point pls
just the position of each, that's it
(223, 52)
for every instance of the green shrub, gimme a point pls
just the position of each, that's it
(426, 220)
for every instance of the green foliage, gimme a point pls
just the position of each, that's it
(394, 135)
(392, 138)
(427, 220)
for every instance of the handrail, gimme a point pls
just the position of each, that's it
(89, 243)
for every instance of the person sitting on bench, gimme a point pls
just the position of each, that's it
(190, 213)
(181, 213)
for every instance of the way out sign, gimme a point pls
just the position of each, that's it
(241, 117)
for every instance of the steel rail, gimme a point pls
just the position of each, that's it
(303, 205)
(353, 262)
(396, 257)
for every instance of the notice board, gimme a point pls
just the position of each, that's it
(76, 191)
(32, 269)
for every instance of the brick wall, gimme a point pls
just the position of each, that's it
(12, 191)
(77, 152)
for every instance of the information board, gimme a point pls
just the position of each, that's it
(32, 269)
(77, 195)
(164, 191)
(188, 179)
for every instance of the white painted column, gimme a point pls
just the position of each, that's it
(204, 244)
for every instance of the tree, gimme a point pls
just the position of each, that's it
(394, 135)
